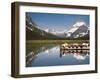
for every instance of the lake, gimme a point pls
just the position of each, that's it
(39, 55)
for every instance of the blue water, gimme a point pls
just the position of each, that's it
(53, 56)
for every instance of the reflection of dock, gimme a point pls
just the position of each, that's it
(74, 51)
(75, 46)
(77, 52)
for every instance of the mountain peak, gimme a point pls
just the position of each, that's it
(79, 23)
(79, 29)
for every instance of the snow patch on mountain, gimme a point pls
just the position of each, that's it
(79, 23)
(72, 30)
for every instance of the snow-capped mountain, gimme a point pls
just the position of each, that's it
(57, 33)
(79, 29)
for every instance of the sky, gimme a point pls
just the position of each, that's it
(57, 22)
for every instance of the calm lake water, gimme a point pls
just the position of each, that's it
(38, 55)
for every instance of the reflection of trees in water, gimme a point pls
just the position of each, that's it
(34, 51)
(78, 54)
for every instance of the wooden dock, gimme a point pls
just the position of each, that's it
(76, 46)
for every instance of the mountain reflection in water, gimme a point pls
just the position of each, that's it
(52, 55)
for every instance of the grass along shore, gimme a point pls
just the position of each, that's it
(56, 41)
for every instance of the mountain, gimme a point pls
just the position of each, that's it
(60, 34)
(78, 30)
(33, 32)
